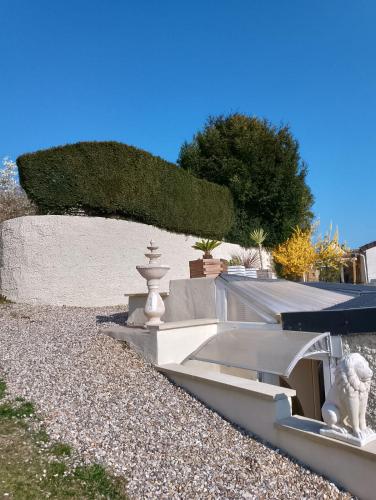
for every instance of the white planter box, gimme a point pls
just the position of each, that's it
(236, 270)
(250, 273)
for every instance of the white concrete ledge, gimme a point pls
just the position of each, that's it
(169, 343)
(252, 387)
(351, 467)
(311, 430)
(175, 325)
(144, 295)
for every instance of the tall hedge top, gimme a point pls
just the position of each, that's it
(114, 179)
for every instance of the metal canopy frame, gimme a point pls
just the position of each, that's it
(263, 350)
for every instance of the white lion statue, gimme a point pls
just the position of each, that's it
(344, 410)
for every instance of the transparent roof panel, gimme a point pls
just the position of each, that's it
(271, 297)
(271, 351)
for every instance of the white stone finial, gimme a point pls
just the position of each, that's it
(153, 272)
(344, 410)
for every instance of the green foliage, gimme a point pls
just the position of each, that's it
(258, 236)
(98, 482)
(115, 180)
(261, 165)
(206, 246)
(61, 449)
(41, 436)
(8, 410)
(330, 275)
(3, 388)
(29, 470)
(56, 468)
(248, 258)
(4, 300)
(235, 260)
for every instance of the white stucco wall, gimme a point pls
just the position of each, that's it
(365, 344)
(371, 263)
(86, 261)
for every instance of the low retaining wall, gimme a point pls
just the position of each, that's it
(365, 344)
(86, 261)
(265, 410)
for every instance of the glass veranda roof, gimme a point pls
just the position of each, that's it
(277, 296)
(262, 350)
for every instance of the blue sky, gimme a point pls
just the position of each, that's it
(148, 73)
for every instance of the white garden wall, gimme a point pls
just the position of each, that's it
(371, 263)
(86, 261)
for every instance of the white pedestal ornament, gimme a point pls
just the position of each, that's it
(153, 272)
(344, 410)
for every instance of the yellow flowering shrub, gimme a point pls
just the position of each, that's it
(330, 253)
(297, 255)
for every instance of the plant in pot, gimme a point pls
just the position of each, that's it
(258, 236)
(235, 265)
(206, 246)
(207, 266)
(244, 263)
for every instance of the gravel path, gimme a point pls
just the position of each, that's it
(114, 408)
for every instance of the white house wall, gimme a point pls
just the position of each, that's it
(86, 261)
(371, 263)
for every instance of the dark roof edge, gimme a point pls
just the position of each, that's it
(368, 245)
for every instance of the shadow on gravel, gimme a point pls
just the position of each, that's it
(118, 318)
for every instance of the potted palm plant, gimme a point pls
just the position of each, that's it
(207, 266)
(258, 236)
(206, 246)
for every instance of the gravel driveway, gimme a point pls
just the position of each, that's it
(102, 398)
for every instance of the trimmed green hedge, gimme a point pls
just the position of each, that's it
(113, 179)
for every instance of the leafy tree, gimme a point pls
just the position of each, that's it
(261, 165)
(13, 200)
